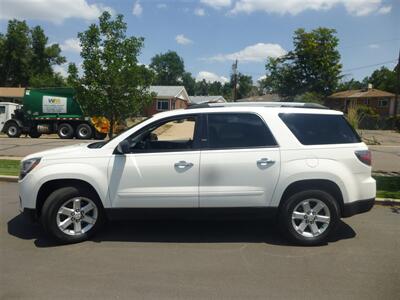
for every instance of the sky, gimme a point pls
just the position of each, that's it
(210, 34)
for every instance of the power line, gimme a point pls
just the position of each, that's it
(368, 66)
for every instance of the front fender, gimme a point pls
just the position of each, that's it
(93, 174)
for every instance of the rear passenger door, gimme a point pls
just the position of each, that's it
(240, 163)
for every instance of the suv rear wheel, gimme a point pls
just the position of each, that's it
(309, 217)
(71, 214)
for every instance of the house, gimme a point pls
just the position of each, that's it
(12, 94)
(262, 98)
(167, 98)
(206, 99)
(382, 102)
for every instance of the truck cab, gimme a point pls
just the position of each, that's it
(7, 109)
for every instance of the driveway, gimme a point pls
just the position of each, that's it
(207, 259)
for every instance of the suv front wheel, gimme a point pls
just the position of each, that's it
(309, 217)
(72, 214)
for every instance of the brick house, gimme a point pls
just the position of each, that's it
(382, 102)
(167, 98)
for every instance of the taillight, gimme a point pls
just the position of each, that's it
(364, 156)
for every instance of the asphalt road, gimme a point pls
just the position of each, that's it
(385, 157)
(201, 259)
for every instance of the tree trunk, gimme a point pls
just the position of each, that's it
(111, 130)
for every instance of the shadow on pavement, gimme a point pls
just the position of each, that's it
(175, 231)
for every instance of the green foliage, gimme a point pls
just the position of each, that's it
(189, 83)
(169, 68)
(113, 84)
(244, 85)
(310, 97)
(312, 66)
(351, 84)
(382, 79)
(25, 57)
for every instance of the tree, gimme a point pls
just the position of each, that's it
(189, 83)
(113, 84)
(351, 84)
(245, 85)
(169, 68)
(202, 88)
(15, 55)
(382, 79)
(26, 59)
(312, 66)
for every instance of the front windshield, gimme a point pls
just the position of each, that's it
(97, 145)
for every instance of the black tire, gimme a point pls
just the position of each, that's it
(34, 133)
(65, 131)
(100, 135)
(84, 132)
(13, 130)
(288, 207)
(56, 200)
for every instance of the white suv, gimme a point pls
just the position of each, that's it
(301, 162)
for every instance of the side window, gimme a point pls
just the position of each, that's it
(2, 109)
(238, 130)
(172, 135)
(315, 129)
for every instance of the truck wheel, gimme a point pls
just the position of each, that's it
(309, 217)
(34, 134)
(72, 214)
(13, 130)
(100, 135)
(84, 132)
(65, 131)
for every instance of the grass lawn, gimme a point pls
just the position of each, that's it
(387, 186)
(9, 167)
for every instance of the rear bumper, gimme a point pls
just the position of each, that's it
(357, 207)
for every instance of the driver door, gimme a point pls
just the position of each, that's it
(162, 169)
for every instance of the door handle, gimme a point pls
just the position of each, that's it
(263, 162)
(183, 164)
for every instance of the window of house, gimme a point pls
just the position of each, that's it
(383, 103)
(366, 101)
(162, 104)
(238, 130)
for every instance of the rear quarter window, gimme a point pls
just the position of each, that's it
(319, 129)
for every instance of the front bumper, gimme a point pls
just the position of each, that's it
(357, 207)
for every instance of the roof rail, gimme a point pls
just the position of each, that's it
(259, 104)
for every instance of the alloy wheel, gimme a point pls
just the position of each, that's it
(77, 216)
(311, 217)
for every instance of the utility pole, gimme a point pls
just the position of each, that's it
(396, 99)
(234, 71)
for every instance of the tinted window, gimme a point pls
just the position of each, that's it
(314, 129)
(238, 131)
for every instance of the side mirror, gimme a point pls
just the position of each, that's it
(123, 147)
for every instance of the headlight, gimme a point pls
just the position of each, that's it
(27, 166)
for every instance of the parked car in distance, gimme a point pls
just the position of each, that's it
(302, 163)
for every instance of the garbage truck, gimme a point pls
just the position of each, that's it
(54, 110)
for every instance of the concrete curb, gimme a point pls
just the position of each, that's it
(380, 201)
(8, 178)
